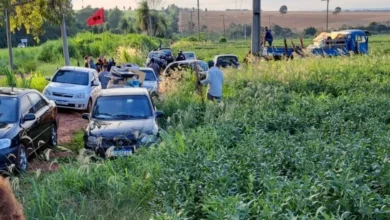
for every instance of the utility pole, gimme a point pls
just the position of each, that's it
(9, 40)
(327, 14)
(65, 41)
(198, 23)
(255, 48)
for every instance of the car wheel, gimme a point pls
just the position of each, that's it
(22, 160)
(53, 136)
(89, 107)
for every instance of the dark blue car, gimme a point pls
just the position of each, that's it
(28, 122)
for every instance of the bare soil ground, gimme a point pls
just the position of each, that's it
(297, 21)
(70, 121)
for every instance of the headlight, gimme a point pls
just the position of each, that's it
(92, 140)
(46, 92)
(80, 96)
(5, 143)
(148, 139)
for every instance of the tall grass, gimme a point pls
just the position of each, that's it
(305, 139)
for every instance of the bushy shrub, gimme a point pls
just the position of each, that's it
(222, 40)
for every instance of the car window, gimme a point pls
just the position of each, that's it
(26, 106)
(71, 77)
(8, 106)
(189, 55)
(149, 75)
(125, 107)
(37, 101)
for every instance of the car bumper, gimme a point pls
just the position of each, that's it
(7, 157)
(71, 103)
(103, 150)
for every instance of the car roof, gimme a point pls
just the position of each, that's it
(76, 68)
(9, 91)
(226, 55)
(124, 91)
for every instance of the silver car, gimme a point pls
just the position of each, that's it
(151, 82)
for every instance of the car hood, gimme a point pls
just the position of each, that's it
(66, 88)
(128, 128)
(5, 128)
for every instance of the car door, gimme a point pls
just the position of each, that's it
(43, 115)
(94, 78)
(30, 128)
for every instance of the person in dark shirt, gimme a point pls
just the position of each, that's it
(180, 56)
(268, 36)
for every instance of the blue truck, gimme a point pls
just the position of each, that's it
(339, 43)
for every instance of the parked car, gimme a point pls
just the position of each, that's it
(226, 60)
(151, 82)
(125, 77)
(186, 65)
(73, 87)
(21, 45)
(122, 120)
(168, 55)
(28, 122)
(156, 55)
(189, 55)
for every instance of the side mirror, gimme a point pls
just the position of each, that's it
(48, 78)
(29, 117)
(85, 116)
(159, 114)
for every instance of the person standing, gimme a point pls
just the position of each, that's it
(155, 67)
(215, 81)
(268, 36)
(103, 77)
(86, 62)
(91, 63)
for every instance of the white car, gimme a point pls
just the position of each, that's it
(73, 87)
(151, 80)
(189, 55)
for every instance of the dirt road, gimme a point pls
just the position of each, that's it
(70, 121)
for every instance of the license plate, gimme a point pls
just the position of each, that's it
(61, 102)
(122, 153)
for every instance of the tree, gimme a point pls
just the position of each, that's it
(124, 25)
(283, 10)
(204, 28)
(143, 13)
(191, 26)
(337, 11)
(114, 17)
(129, 8)
(310, 31)
(159, 25)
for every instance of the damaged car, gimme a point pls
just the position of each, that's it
(121, 121)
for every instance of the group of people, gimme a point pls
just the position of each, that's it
(89, 63)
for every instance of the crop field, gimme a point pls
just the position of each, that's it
(296, 21)
(303, 139)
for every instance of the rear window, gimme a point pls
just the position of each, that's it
(189, 55)
(71, 77)
(149, 75)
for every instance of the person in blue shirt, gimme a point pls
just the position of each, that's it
(215, 81)
(268, 36)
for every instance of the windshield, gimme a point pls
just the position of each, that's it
(154, 55)
(167, 52)
(8, 109)
(149, 75)
(71, 77)
(126, 107)
(189, 55)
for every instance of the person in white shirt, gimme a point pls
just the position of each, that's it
(215, 81)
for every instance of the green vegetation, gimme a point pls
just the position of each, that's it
(304, 139)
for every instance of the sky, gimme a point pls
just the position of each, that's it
(267, 5)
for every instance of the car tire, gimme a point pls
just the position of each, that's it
(53, 136)
(89, 106)
(21, 163)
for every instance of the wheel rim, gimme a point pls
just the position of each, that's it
(53, 136)
(23, 159)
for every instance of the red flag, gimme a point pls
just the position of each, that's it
(97, 18)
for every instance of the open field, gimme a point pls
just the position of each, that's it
(296, 21)
(307, 138)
